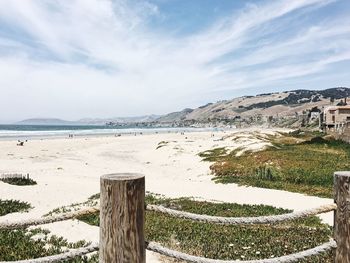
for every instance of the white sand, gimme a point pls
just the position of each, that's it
(68, 171)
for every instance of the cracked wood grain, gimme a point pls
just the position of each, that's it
(122, 218)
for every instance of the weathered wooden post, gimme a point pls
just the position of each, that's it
(122, 218)
(342, 216)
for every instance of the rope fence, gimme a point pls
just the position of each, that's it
(176, 213)
(157, 248)
(152, 246)
(111, 205)
(46, 220)
(243, 220)
(289, 258)
(73, 253)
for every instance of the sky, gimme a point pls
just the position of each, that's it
(75, 59)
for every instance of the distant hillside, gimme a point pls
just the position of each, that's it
(45, 121)
(119, 120)
(278, 104)
(89, 121)
(175, 116)
(287, 108)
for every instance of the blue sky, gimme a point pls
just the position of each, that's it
(98, 58)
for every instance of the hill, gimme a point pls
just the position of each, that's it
(278, 105)
(90, 121)
(287, 109)
(119, 120)
(45, 121)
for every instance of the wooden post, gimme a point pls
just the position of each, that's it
(122, 218)
(342, 216)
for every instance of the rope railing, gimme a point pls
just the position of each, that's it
(117, 201)
(176, 213)
(46, 220)
(157, 248)
(152, 246)
(73, 253)
(243, 220)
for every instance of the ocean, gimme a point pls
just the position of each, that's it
(46, 131)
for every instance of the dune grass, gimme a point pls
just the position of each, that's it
(297, 162)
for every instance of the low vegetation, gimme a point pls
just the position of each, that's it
(92, 201)
(28, 244)
(19, 181)
(201, 239)
(298, 162)
(230, 242)
(12, 206)
(23, 244)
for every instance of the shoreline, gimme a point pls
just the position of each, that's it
(58, 134)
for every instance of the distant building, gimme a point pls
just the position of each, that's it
(336, 118)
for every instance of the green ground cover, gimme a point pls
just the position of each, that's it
(12, 206)
(230, 242)
(23, 243)
(202, 239)
(19, 181)
(297, 162)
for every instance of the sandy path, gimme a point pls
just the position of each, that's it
(68, 171)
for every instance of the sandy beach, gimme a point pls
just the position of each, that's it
(68, 170)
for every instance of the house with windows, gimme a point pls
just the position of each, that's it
(336, 118)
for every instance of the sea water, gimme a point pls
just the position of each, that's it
(45, 131)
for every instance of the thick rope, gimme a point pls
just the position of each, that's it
(152, 246)
(289, 258)
(181, 214)
(242, 220)
(49, 219)
(60, 257)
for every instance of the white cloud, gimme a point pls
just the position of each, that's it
(102, 58)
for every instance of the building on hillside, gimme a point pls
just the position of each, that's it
(336, 118)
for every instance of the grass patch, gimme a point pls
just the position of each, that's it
(230, 242)
(92, 201)
(19, 181)
(297, 162)
(214, 154)
(21, 244)
(12, 206)
(28, 244)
